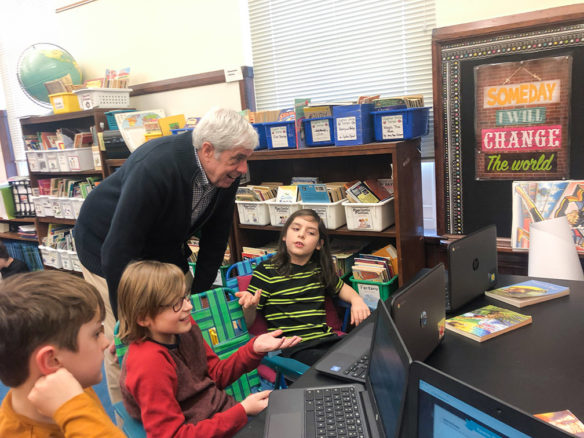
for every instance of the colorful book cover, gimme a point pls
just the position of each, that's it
(360, 191)
(528, 293)
(487, 322)
(287, 194)
(313, 193)
(131, 125)
(171, 122)
(564, 420)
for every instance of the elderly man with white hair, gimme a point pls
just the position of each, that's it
(168, 190)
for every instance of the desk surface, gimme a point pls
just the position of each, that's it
(538, 368)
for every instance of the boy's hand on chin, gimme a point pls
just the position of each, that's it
(50, 392)
(271, 342)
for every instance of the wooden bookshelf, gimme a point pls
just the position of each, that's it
(332, 163)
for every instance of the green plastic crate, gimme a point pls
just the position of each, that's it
(373, 291)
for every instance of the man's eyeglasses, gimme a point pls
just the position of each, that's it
(178, 305)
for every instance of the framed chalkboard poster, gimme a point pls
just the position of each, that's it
(508, 106)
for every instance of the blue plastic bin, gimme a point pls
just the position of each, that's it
(319, 131)
(261, 130)
(281, 135)
(353, 124)
(403, 124)
(111, 118)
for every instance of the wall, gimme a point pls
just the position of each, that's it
(161, 40)
(450, 12)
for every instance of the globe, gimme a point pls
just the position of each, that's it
(41, 63)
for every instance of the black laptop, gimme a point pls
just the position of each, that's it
(419, 313)
(472, 267)
(443, 407)
(373, 410)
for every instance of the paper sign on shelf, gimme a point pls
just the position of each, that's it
(233, 74)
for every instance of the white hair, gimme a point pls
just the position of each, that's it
(225, 129)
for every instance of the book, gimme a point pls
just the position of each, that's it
(487, 322)
(314, 193)
(528, 293)
(564, 420)
(132, 125)
(171, 122)
(287, 194)
(362, 193)
(377, 188)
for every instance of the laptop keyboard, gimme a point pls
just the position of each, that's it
(332, 412)
(358, 368)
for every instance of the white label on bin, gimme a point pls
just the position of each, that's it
(58, 103)
(33, 162)
(370, 294)
(392, 127)
(346, 128)
(321, 130)
(53, 163)
(74, 162)
(282, 214)
(250, 214)
(279, 136)
(363, 218)
(321, 211)
(86, 102)
(63, 164)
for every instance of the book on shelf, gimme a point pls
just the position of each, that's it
(287, 194)
(361, 193)
(528, 293)
(370, 272)
(31, 142)
(132, 125)
(564, 420)
(315, 193)
(171, 122)
(377, 189)
(315, 112)
(304, 180)
(487, 322)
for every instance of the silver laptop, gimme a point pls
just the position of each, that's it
(440, 406)
(472, 267)
(371, 410)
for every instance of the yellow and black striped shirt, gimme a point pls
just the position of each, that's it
(294, 303)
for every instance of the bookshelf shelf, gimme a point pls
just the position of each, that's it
(26, 220)
(16, 236)
(56, 220)
(400, 160)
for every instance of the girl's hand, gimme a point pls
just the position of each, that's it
(271, 342)
(53, 390)
(256, 403)
(359, 310)
(247, 299)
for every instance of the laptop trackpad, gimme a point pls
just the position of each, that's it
(289, 425)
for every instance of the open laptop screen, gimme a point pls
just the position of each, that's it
(441, 415)
(388, 370)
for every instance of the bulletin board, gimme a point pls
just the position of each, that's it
(468, 197)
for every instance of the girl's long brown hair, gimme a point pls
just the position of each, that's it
(322, 257)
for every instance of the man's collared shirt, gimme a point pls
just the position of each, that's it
(203, 192)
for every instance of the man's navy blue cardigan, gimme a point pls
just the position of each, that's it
(143, 211)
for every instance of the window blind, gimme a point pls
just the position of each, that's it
(337, 50)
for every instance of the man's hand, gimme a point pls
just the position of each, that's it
(50, 392)
(359, 310)
(271, 342)
(256, 403)
(248, 300)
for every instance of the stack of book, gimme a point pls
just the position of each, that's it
(251, 252)
(398, 102)
(343, 253)
(322, 193)
(370, 191)
(27, 231)
(368, 267)
(256, 193)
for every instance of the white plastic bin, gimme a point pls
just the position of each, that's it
(103, 97)
(76, 203)
(56, 206)
(75, 263)
(45, 255)
(80, 159)
(332, 213)
(253, 212)
(38, 206)
(33, 161)
(67, 208)
(65, 259)
(369, 217)
(46, 204)
(63, 162)
(53, 161)
(281, 211)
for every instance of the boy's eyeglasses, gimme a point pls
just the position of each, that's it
(178, 305)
